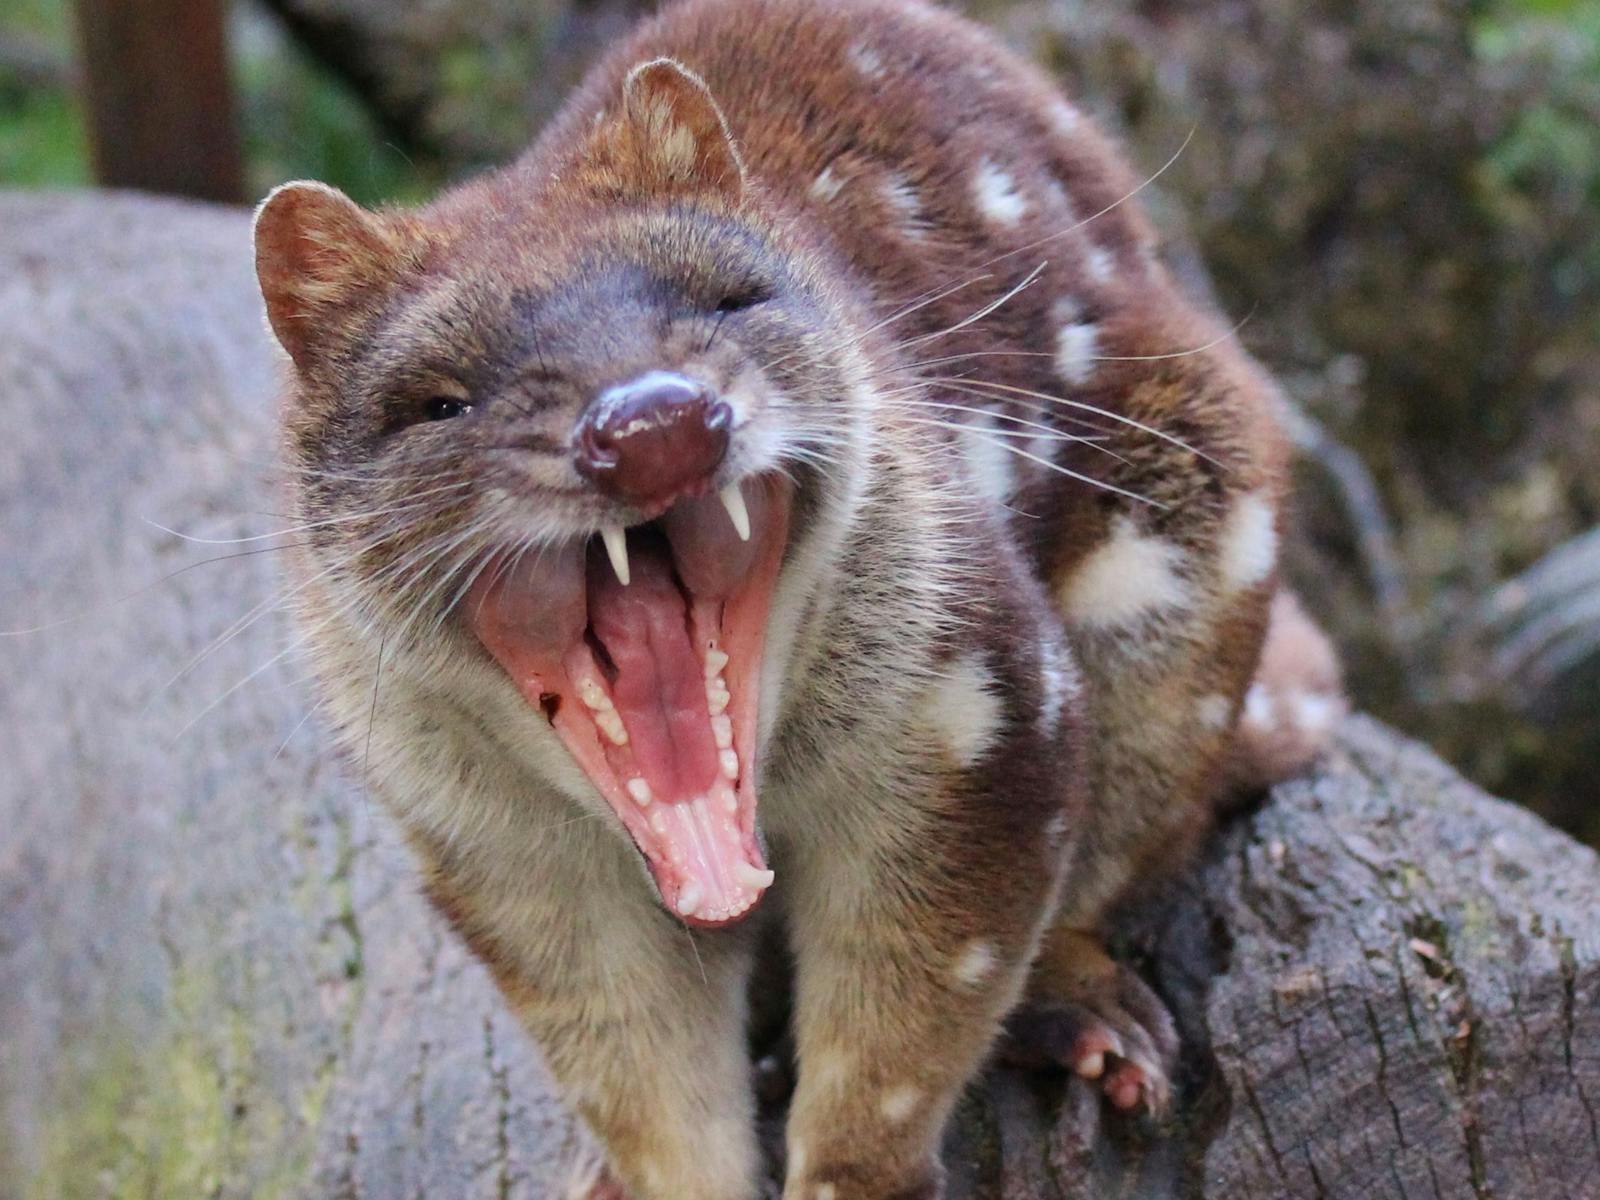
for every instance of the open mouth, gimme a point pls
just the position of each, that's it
(643, 650)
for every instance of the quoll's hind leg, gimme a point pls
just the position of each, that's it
(1165, 598)
(1090, 1015)
(1085, 1012)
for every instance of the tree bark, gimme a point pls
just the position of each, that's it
(159, 94)
(217, 977)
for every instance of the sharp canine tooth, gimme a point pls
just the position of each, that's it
(688, 898)
(715, 661)
(616, 540)
(752, 877)
(730, 764)
(733, 500)
(640, 791)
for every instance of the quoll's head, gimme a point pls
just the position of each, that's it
(576, 423)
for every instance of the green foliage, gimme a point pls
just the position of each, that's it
(299, 123)
(42, 139)
(1543, 171)
(295, 120)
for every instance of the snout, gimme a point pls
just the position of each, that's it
(652, 439)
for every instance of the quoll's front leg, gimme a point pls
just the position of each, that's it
(640, 1020)
(913, 927)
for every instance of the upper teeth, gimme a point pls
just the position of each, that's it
(616, 538)
(733, 500)
(616, 541)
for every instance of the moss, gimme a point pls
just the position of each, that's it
(167, 1116)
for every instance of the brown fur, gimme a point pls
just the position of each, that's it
(1004, 686)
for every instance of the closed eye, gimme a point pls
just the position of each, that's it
(739, 299)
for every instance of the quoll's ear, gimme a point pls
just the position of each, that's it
(669, 137)
(319, 257)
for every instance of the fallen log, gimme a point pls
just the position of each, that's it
(217, 978)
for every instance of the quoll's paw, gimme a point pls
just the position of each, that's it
(1116, 1030)
(593, 1181)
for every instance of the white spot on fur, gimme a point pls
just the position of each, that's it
(1043, 450)
(899, 1103)
(1077, 342)
(900, 194)
(1248, 547)
(976, 962)
(998, 196)
(1214, 710)
(963, 708)
(1065, 117)
(1315, 712)
(1057, 827)
(826, 186)
(797, 1159)
(826, 1191)
(1100, 263)
(993, 467)
(1124, 578)
(1055, 683)
(1258, 707)
(866, 60)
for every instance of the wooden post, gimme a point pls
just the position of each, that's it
(159, 96)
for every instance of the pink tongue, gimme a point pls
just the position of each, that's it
(659, 688)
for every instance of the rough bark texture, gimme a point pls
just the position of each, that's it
(158, 97)
(217, 979)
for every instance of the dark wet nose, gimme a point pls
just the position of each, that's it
(652, 438)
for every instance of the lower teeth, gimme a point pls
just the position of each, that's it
(688, 898)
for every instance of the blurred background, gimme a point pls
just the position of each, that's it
(1400, 198)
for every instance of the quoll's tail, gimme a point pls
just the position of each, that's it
(1294, 704)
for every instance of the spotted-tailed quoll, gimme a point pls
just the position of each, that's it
(791, 504)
